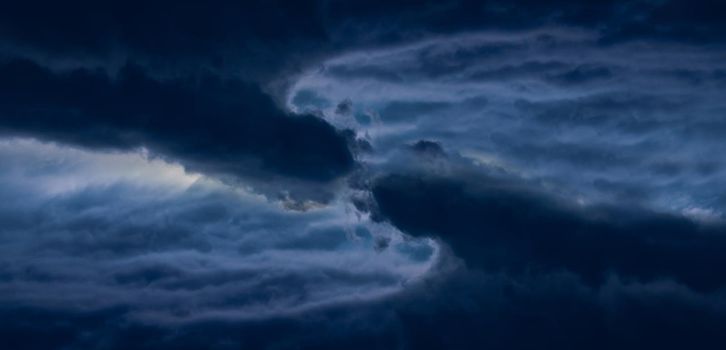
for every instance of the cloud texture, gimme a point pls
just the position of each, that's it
(354, 174)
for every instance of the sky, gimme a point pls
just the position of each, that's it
(326, 174)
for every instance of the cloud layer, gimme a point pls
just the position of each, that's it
(323, 174)
(80, 235)
(632, 122)
(215, 125)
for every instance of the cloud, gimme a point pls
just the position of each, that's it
(540, 269)
(173, 253)
(258, 38)
(602, 122)
(559, 155)
(210, 124)
(557, 311)
(501, 227)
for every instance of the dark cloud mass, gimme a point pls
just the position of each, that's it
(500, 227)
(214, 125)
(324, 174)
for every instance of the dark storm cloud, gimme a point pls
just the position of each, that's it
(94, 260)
(502, 226)
(557, 311)
(258, 41)
(543, 271)
(183, 80)
(211, 124)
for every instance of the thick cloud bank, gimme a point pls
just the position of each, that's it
(211, 124)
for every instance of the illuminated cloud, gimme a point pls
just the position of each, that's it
(109, 230)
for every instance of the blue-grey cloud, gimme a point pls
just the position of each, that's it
(453, 174)
(550, 105)
(181, 247)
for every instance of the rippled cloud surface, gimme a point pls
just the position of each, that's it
(314, 174)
